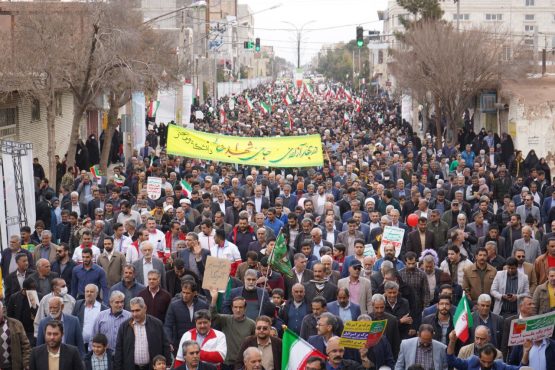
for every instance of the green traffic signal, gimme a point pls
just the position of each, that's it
(360, 37)
(257, 44)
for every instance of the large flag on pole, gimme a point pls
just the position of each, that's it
(296, 351)
(463, 320)
(153, 108)
(250, 104)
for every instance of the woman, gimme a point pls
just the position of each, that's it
(36, 235)
(517, 165)
(545, 168)
(531, 160)
(92, 147)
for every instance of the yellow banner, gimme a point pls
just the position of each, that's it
(287, 151)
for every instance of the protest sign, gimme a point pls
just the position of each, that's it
(392, 236)
(154, 187)
(216, 273)
(360, 334)
(534, 328)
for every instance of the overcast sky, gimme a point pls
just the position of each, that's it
(334, 21)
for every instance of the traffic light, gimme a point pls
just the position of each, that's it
(360, 37)
(257, 44)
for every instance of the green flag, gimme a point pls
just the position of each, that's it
(278, 259)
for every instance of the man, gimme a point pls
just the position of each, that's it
(213, 348)
(295, 309)
(389, 255)
(348, 237)
(540, 355)
(126, 213)
(438, 227)
(223, 248)
(269, 346)
(46, 249)
(442, 321)
(420, 239)
(148, 263)
(478, 277)
(140, 339)
(108, 321)
(318, 242)
(455, 263)
(252, 359)
(156, 237)
(255, 297)
(72, 330)
(88, 273)
(530, 246)
(64, 265)
(482, 337)
(335, 358)
(100, 356)
(484, 360)
(359, 255)
(59, 289)
(526, 308)
(343, 307)
(300, 274)
(87, 310)
(43, 277)
(508, 287)
(543, 295)
(112, 262)
(128, 286)
(309, 324)
(494, 259)
(526, 268)
(483, 316)
(191, 358)
(528, 208)
(194, 256)
(360, 289)
(13, 282)
(422, 350)
(156, 299)
(398, 307)
(319, 286)
(236, 327)
(16, 349)
(272, 222)
(326, 324)
(545, 261)
(86, 243)
(417, 280)
(8, 262)
(54, 353)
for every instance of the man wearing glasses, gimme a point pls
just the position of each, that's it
(529, 209)
(269, 345)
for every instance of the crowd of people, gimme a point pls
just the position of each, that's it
(111, 279)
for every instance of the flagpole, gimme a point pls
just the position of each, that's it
(266, 280)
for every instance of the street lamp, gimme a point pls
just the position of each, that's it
(299, 32)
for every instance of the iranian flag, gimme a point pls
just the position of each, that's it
(290, 119)
(309, 90)
(296, 351)
(153, 108)
(265, 107)
(186, 188)
(348, 96)
(463, 320)
(288, 99)
(250, 104)
(346, 118)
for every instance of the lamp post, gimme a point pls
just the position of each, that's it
(299, 32)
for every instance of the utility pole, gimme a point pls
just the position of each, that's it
(458, 14)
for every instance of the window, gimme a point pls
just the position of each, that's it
(529, 2)
(7, 117)
(35, 110)
(494, 17)
(528, 28)
(58, 104)
(462, 17)
(529, 17)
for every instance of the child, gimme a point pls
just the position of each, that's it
(159, 363)
(101, 357)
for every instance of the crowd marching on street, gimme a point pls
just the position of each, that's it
(112, 279)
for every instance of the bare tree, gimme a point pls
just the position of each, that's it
(31, 68)
(453, 66)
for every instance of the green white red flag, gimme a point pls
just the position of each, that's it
(153, 108)
(265, 107)
(463, 320)
(186, 188)
(288, 99)
(295, 351)
(250, 104)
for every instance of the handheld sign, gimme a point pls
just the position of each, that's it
(216, 273)
(392, 236)
(154, 187)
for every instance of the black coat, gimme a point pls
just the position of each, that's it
(94, 152)
(252, 342)
(125, 344)
(70, 359)
(66, 275)
(79, 310)
(11, 284)
(391, 332)
(201, 366)
(178, 321)
(88, 359)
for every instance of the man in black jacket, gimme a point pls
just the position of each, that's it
(150, 333)
(68, 356)
(191, 355)
(335, 360)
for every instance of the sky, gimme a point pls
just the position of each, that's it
(334, 21)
